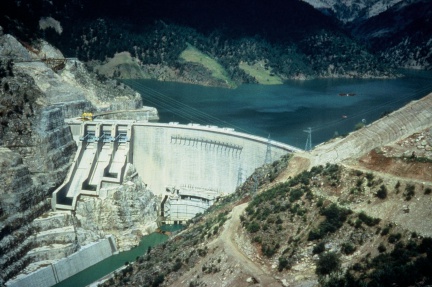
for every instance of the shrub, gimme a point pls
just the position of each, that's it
(158, 280)
(328, 263)
(253, 227)
(428, 190)
(268, 250)
(382, 192)
(177, 266)
(284, 263)
(257, 239)
(348, 248)
(393, 238)
(382, 248)
(409, 191)
(319, 248)
(335, 217)
(369, 221)
(295, 194)
(279, 220)
(398, 184)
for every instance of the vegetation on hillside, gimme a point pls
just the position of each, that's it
(298, 210)
(323, 54)
(165, 263)
(294, 222)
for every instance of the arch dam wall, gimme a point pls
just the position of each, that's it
(199, 157)
(166, 156)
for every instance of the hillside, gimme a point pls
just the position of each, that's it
(352, 10)
(400, 35)
(239, 37)
(397, 31)
(363, 219)
(36, 151)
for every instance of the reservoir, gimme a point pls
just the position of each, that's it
(284, 111)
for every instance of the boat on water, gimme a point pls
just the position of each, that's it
(347, 94)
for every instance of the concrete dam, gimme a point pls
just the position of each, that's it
(187, 166)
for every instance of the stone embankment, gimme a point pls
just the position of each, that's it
(414, 117)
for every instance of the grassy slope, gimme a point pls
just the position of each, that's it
(125, 64)
(263, 76)
(191, 54)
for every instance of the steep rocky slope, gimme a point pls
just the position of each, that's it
(352, 10)
(397, 31)
(401, 35)
(36, 148)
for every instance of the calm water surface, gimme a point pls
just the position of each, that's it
(285, 111)
(114, 262)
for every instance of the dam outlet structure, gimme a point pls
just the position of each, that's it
(187, 166)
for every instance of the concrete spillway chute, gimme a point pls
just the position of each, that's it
(101, 160)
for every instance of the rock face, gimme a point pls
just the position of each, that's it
(352, 10)
(128, 212)
(36, 149)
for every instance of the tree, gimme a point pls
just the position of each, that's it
(328, 263)
(382, 192)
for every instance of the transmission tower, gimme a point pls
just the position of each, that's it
(268, 157)
(255, 187)
(239, 176)
(308, 146)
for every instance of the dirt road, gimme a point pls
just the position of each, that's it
(227, 239)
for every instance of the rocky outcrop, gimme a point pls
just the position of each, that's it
(36, 149)
(128, 211)
(349, 10)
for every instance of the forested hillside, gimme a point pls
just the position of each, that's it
(289, 40)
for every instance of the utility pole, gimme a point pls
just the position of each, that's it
(308, 146)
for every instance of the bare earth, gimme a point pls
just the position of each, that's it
(237, 269)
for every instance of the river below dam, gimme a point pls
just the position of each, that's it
(106, 266)
(331, 107)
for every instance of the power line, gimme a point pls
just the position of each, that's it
(180, 109)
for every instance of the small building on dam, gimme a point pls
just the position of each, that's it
(187, 166)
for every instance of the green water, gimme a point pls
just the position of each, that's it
(283, 112)
(114, 262)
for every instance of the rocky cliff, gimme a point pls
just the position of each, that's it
(128, 212)
(353, 10)
(36, 149)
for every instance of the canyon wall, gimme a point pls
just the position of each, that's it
(36, 150)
